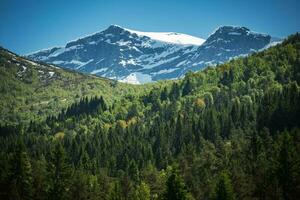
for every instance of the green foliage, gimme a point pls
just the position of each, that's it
(60, 174)
(175, 189)
(224, 189)
(288, 170)
(29, 92)
(22, 183)
(110, 140)
(142, 192)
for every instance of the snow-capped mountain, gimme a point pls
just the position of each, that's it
(139, 57)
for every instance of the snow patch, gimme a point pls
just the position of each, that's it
(199, 63)
(137, 78)
(51, 74)
(122, 43)
(78, 63)
(165, 71)
(58, 62)
(54, 66)
(33, 63)
(127, 62)
(234, 33)
(57, 52)
(170, 37)
(84, 63)
(182, 63)
(98, 70)
(24, 68)
(271, 44)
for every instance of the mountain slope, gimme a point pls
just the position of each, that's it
(31, 91)
(139, 57)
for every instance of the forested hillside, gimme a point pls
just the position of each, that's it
(33, 91)
(228, 132)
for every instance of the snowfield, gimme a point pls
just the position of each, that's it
(171, 37)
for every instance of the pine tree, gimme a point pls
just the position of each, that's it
(211, 125)
(60, 174)
(175, 92)
(81, 187)
(176, 189)
(115, 194)
(142, 192)
(188, 87)
(288, 168)
(179, 135)
(40, 174)
(224, 189)
(6, 171)
(22, 181)
(134, 171)
(126, 188)
(164, 94)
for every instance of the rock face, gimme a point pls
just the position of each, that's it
(226, 43)
(140, 57)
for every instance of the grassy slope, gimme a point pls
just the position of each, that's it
(29, 92)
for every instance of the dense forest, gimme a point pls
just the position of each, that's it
(228, 132)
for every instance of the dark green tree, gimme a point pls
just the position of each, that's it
(60, 174)
(22, 179)
(175, 92)
(224, 190)
(187, 88)
(175, 188)
(288, 170)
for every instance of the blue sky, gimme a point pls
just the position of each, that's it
(30, 25)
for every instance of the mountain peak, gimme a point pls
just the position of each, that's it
(229, 28)
(114, 27)
(235, 30)
(238, 35)
(116, 31)
(231, 41)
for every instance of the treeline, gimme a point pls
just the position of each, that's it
(92, 106)
(229, 132)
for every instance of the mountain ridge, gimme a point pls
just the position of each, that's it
(140, 57)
